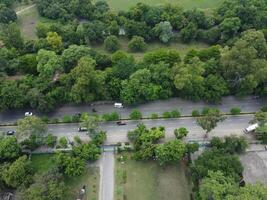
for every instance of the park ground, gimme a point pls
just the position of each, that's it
(137, 180)
(90, 178)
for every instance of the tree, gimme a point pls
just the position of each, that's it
(235, 110)
(92, 125)
(18, 173)
(63, 142)
(9, 148)
(88, 151)
(180, 133)
(229, 28)
(135, 114)
(134, 28)
(112, 43)
(137, 44)
(170, 57)
(217, 186)
(209, 121)
(31, 126)
(7, 15)
(50, 140)
(261, 133)
(55, 41)
(164, 31)
(172, 151)
(189, 32)
(11, 36)
(114, 28)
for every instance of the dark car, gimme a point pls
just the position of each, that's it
(120, 123)
(82, 129)
(10, 132)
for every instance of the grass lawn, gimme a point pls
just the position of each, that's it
(181, 47)
(187, 4)
(90, 178)
(137, 180)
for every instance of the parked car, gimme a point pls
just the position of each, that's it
(82, 129)
(10, 132)
(251, 128)
(120, 123)
(27, 114)
(118, 105)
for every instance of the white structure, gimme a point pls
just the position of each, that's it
(118, 105)
(251, 128)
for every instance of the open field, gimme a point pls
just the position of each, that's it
(181, 47)
(187, 4)
(148, 181)
(90, 178)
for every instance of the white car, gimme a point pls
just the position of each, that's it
(118, 105)
(27, 114)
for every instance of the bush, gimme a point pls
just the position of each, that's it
(63, 142)
(77, 139)
(137, 43)
(51, 140)
(180, 133)
(67, 119)
(135, 114)
(175, 114)
(154, 116)
(207, 110)
(235, 111)
(111, 117)
(166, 114)
(112, 43)
(264, 109)
(195, 113)
(45, 119)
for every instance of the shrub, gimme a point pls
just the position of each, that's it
(112, 43)
(235, 111)
(50, 140)
(166, 114)
(45, 119)
(111, 117)
(264, 109)
(205, 110)
(77, 139)
(180, 133)
(154, 116)
(175, 114)
(63, 142)
(195, 113)
(135, 114)
(67, 119)
(137, 43)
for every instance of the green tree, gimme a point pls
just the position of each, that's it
(7, 15)
(235, 110)
(31, 126)
(112, 43)
(164, 31)
(217, 186)
(180, 133)
(229, 28)
(88, 151)
(55, 41)
(172, 151)
(209, 121)
(137, 44)
(63, 142)
(11, 36)
(9, 148)
(189, 32)
(114, 28)
(18, 173)
(50, 140)
(261, 133)
(92, 125)
(168, 56)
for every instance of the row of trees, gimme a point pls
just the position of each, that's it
(162, 23)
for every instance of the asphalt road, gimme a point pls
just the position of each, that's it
(247, 104)
(106, 191)
(115, 133)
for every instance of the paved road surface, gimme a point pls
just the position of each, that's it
(248, 104)
(106, 191)
(232, 125)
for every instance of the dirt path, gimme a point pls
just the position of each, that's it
(24, 9)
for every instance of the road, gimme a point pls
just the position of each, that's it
(106, 191)
(24, 9)
(248, 104)
(232, 125)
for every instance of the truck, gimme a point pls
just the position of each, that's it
(251, 128)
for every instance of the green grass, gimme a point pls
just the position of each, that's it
(149, 181)
(187, 4)
(43, 162)
(181, 47)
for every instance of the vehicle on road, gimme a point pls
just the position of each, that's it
(251, 128)
(94, 110)
(10, 132)
(82, 129)
(27, 114)
(118, 105)
(120, 123)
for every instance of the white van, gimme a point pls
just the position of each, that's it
(251, 128)
(118, 105)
